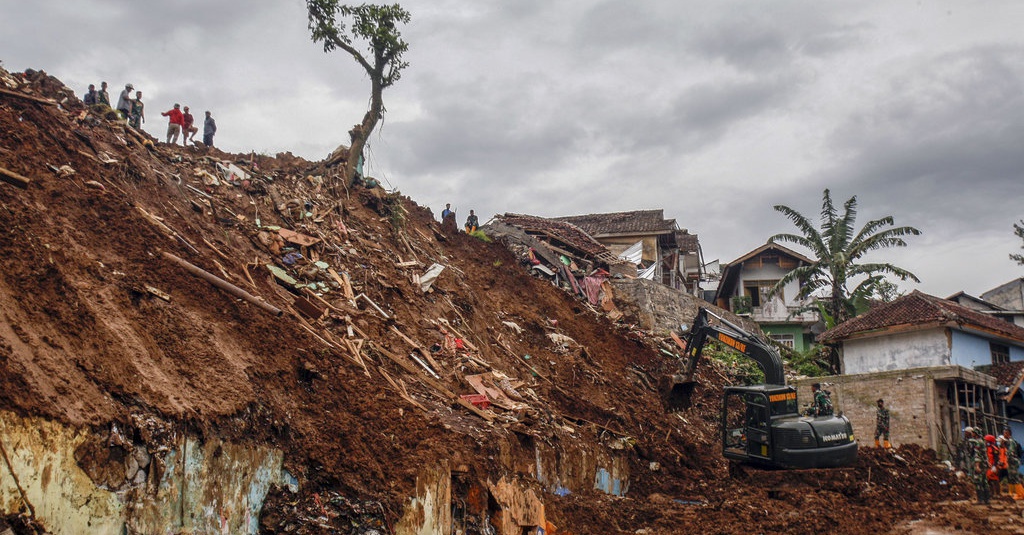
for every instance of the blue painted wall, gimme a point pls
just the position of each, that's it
(970, 350)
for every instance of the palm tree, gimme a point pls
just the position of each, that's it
(837, 250)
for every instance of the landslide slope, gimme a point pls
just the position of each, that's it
(98, 326)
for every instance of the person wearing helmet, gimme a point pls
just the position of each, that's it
(124, 102)
(996, 463)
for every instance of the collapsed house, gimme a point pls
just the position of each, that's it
(661, 250)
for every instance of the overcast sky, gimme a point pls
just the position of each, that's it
(712, 111)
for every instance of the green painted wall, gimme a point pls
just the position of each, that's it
(801, 341)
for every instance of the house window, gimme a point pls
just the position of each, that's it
(1000, 353)
(787, 340)
(757, 291)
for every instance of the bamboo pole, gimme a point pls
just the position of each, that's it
(223, 284)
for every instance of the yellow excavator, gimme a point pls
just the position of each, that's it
(761, 424)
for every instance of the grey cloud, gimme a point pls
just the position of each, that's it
(946, 137)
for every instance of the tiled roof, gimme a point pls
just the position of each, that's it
(919, 309)
(687, 242)
(1007, 374)
(564, 232)
(636, 222)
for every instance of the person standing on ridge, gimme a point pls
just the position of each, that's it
(91, 96)
(124, 105)
(102, 97)
(138, 115)
(188, 131)
(209, 129)
(174, 123)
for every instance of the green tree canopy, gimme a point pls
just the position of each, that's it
(341, 26)
(838, 250)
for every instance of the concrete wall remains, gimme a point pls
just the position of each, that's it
(920, 411)
(897, 351)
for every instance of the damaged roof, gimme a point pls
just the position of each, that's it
(922, 310)
(688, 243)
(623, 223)
(562, 231)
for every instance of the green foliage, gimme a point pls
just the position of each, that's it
(812, 362)
(742, 304)
(837, 249)
(338, 25)
(480, 235)
(742, 367)
(1018, 230)
(393, 209)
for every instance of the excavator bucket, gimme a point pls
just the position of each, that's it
(677, 391)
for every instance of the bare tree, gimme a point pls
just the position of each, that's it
(340, 26)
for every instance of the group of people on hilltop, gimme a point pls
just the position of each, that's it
(448, 219)
(991, 462)
(183, 123)
(132, 110)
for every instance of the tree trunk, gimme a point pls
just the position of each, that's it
(360, 135)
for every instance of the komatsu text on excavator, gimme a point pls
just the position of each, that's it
(761, 424)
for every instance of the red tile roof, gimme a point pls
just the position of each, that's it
(920, 309)
(1007, 374)
(636, 222)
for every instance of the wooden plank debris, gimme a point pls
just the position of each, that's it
(28, 97)
(307, 308)
(440, 388)
(374, 305)
(297, 238)
(14, 179)
(159, 293)
(416, 346)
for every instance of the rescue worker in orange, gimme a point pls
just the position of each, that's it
(996, 463)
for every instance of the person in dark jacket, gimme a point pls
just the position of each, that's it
(209, 129)
(91, 96)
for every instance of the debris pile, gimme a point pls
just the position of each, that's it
(152, 290)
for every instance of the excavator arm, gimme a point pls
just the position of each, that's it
(677, 388)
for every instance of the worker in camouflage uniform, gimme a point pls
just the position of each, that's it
(882, 424)
(977, 464)
(822, 404)
(1013, 452)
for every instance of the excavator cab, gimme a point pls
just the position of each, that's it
(762, 425)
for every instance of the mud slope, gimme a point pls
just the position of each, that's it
(98, 327)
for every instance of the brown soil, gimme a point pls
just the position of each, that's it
(83, 340)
